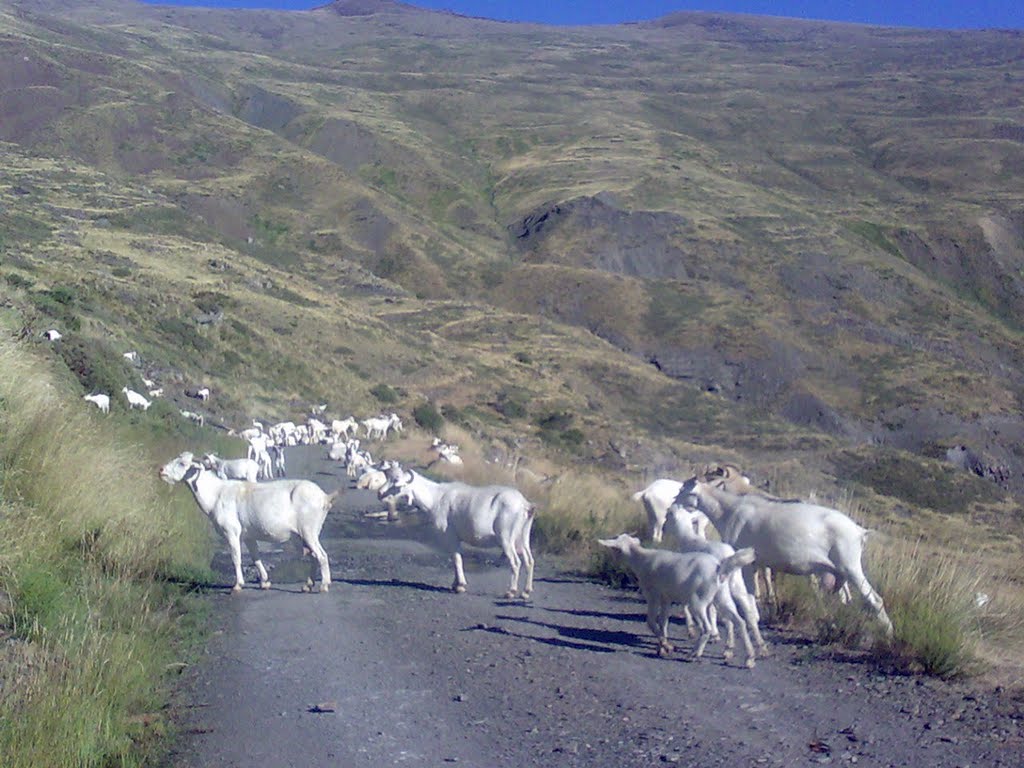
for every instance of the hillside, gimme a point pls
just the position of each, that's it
(794, 245)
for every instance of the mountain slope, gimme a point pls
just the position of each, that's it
(702, 235)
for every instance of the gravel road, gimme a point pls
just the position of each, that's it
(391, 668)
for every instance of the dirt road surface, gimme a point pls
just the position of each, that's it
(391, 668)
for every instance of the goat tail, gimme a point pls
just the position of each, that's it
(729, 564)
(639, 495)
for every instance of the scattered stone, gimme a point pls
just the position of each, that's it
(323, 707)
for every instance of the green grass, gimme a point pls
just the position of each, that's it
(92, 557)
(930, 598)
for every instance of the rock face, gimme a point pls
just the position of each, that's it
(591, 232)
(840, 302)
(983, 466)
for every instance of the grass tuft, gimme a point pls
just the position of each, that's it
(930, 596)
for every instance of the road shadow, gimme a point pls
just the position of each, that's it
(599, 614)
(565, 579)
(587, 635)
(394, 583)
(553, 641)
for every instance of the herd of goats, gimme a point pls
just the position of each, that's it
(248, 501)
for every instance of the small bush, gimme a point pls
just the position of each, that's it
(575, 511)
(512, 404)
(183, 334)
(453, 414)
(15, 280)
(556, 431)
(40, 599)
(930, 598)
(385, 395)
(555, 421)
(428, 417)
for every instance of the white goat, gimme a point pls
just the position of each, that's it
(356, 460)
(730, 477)
(53, 335)
(789, 536)
(195, 418)
(251, 512)
(446, 452)
(692, 579)
(203, 393)
(374, 479)
(657, 498)
(494, 515)
(680, 525)
(253, 432)
(158, 392)
(233, 469)
(101, 401)
(341, 428)
(257, 450)
(135, 400)
(378, 426)
(280, 432)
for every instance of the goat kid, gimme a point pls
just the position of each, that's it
(679, 525)
(692, 579)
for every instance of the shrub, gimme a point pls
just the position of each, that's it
(58, 303)
(512, 404)
(183, 334)
(428, 417)
(15, 280)
(453, 414)
(97, 366)
(556, 431)
(578, 509)
(384, 394)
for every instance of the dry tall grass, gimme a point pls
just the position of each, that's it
(85, 532)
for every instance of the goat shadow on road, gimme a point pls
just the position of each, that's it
(583, 638)
(554, 641)
(394, 583)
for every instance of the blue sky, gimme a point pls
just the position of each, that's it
(946, 14)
